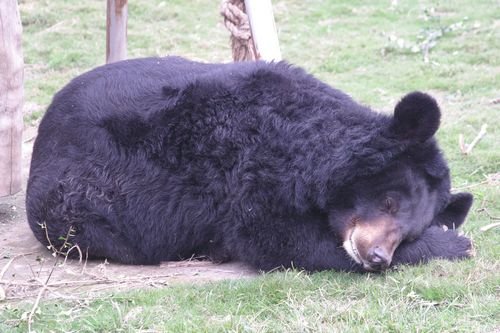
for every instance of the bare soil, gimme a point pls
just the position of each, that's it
(27, 267)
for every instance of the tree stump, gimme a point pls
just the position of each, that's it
(260, 13)
(116, 30)
(11, 97)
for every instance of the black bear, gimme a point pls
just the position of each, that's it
(159, 159)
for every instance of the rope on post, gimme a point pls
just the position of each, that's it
(237, 22)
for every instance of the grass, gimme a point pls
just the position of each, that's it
(369, 49)
(421, 299)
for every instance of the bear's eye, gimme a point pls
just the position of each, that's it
(390, 205)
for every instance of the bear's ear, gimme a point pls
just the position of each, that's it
(454, 214)
(416, 117)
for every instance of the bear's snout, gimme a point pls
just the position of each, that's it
(372, 243)
(378, 258)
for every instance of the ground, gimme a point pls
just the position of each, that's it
(26, 265)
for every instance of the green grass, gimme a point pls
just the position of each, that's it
(353, 45)
(421, 299)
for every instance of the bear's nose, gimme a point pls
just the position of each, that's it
(378, 258)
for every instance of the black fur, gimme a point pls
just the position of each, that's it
(162, 158)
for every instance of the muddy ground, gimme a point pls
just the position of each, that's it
(26, 266)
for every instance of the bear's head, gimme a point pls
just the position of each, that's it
(374, 214)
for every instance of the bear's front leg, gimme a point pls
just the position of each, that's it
(434, 243)
(280, 242)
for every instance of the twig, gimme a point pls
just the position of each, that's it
(461, 188)
(55, 284)
(45, 285)
(30, 139)
(461, 143)
(39, 296)
(466, 149)
(85, 262)
(6, 267)
(491, 217)
(490, 226)
(479, 136)
(71, 249)
(98, 280)
(491, 179)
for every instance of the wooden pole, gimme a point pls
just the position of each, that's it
(11, 97)
(116, 30)
(260, 14)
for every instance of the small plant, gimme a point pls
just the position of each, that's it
(62, 251)
(426, 39)
(66, 246)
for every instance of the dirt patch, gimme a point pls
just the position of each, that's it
(26, 266)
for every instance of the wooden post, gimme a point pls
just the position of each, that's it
(11, 97)
(116, 30)
(260, 14)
